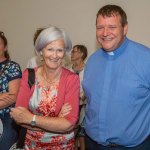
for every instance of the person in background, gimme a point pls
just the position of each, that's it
(36, 60)
(10, 74)
(78, 56)
(39, 109)
(117, 87)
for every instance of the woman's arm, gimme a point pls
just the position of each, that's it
(56, 124)
(65, 110)
(24, 91)
(9, 98)
(24, 117)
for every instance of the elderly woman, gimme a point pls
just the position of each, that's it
(39, 109)
(10, 75)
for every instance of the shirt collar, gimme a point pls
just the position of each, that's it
(118, 51)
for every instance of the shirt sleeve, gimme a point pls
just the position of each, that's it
(72, 97)
(24, 92)
(14, 71)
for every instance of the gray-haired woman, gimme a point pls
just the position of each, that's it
(39, 109)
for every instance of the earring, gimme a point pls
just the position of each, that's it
(41, 56)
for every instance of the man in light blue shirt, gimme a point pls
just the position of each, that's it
(117, 85)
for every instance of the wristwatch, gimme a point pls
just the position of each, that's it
(33, 122)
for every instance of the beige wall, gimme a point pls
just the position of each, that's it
(20, 18)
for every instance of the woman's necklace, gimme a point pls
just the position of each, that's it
(50, 81)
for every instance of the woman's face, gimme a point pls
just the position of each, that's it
(53, 54)
(2, 47)
(76, 54)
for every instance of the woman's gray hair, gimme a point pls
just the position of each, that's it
(51, 34)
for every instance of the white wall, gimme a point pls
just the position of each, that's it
(20, 18)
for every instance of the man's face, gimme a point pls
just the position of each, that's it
(109, 32)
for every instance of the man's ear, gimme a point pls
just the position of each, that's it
(125, 29)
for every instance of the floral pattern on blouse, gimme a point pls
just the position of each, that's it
(43, 102)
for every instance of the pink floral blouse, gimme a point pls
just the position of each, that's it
(48, 101)
(43, 103)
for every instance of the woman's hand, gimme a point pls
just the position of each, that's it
(65, 110)
(21, 115)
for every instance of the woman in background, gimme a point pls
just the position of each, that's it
(36, 60)
(39, 109)
(10, 75)
(78, 56)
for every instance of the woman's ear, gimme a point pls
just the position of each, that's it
(82, 55)
(41, 53)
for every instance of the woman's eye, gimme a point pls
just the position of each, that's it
(57, 50)
(60, 50)
(50, 49)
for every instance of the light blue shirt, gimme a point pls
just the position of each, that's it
(118, 95)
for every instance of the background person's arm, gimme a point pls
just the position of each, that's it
(9, 98)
